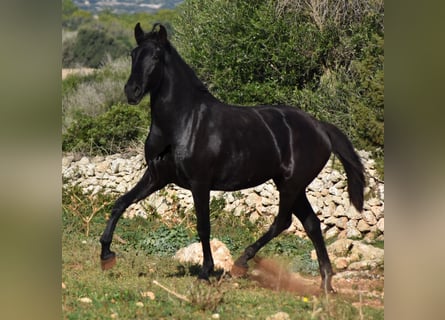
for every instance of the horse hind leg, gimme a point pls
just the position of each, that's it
(282, 221)
(304, 212)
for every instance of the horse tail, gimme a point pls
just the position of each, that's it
(343, 149)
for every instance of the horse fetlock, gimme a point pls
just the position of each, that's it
(326, 279)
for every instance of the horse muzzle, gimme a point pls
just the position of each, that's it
(134, 93)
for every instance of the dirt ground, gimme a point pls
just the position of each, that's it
(360, 287)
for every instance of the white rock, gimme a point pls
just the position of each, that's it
(332, 232)
(352, 232)
(381, 225)
(362, 226)
(193, 254)
(340, 248)
(84, 161)
(341, 222)
(369, 217)
(279, 316)
(85, 300)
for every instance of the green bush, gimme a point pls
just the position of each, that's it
(327, 62)
(109, 132)
(92, 46)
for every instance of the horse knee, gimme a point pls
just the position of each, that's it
(282, 224)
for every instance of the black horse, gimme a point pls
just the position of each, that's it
(203, 144)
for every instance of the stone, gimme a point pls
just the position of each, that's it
(340, 211)
(85, 300)
(90, 170)
(369, 217)
(362, 226)
(84, 161)
(254, 217)
(381, 225)
(331, 221)
(377, 212)
(373, 202)
(238, 211)
(103, 166)
(341, 222)
(148, 294)
(352, 213)
(279, 316)
(334, 191)
(121, 188)
(341, 263)
(115, 166)
(340, 248)
(337, 200)
(363, 265)
(193, 254)
(66, 161)
(332, 232)
(253, 200)
(340, 185)
(266, 201)
(353, 232)
(361, 251)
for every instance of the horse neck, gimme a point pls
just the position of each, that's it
(178, 94)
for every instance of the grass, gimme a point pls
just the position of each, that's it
(128, 290)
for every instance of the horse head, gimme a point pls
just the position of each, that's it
(147, 61)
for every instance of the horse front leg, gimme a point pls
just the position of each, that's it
(150, 182)
(201, 198)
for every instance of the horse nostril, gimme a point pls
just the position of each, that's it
(137, 91)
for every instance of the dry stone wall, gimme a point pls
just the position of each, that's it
(327, 194)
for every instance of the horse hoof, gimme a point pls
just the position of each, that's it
(238, 271)
(108, 263)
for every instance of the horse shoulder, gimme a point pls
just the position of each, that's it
(156, 144)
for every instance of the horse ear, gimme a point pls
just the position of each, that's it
(162, 34)
(138, 33)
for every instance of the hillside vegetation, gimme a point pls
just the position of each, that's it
(314, 54)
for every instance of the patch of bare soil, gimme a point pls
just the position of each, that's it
(362, 288)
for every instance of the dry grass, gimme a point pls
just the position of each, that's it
(77, 71)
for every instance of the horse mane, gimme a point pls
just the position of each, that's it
(170, 49)
(197, 83)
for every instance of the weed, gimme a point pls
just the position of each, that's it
(217, 204)
(205, 296)
(145, 257)
(165, 241)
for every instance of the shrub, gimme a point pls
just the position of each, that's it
(109, 132)
(326, 59)
(92, 44)
(95, 93)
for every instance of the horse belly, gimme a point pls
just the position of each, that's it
(238, 172)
